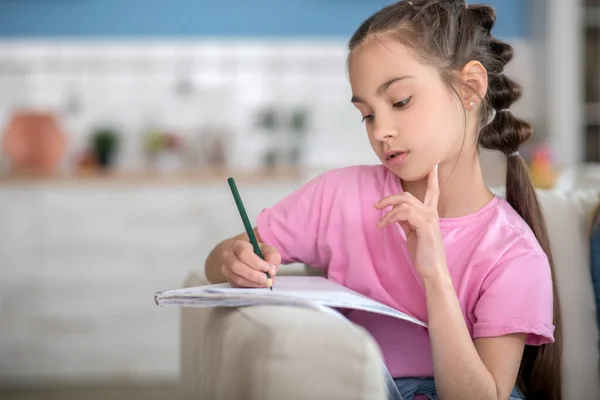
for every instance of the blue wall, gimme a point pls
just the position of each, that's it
(229, 18)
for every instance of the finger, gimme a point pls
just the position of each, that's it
(234, 268)
(409, 201)
(241, 282)
(396, 200)
(402, 218)
(399, 216)
(245, 253)
(238, 281)
(235, 280)
(272, 257)
(433, 189)
(241, 270)
(240, 246)
(387, 219)
(416, 219)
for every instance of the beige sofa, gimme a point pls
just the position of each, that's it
(277, 353)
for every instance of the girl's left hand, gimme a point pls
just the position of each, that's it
(420, 223)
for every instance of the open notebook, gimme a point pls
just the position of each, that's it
(307, 291)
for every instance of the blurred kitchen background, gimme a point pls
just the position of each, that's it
(120, 121)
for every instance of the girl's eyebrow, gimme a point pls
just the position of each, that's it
(382, 88)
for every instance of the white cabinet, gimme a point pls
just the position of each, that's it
(80, 263)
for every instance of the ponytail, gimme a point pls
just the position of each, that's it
(540, 371)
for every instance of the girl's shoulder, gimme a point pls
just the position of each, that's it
(511, 229)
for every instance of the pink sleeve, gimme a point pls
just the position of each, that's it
(516, 297)
(295, 224)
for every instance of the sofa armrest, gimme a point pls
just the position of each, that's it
(276, 352)
(192, 320)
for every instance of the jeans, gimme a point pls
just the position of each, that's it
(409, 387)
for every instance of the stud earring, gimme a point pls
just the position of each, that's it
(472, 104)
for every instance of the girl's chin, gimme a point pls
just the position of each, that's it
(409, 173)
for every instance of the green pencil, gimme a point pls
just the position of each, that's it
(247, 225)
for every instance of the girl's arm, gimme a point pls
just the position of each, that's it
(465, 369)
(291, 226)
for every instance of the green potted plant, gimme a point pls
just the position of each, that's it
(105, 143)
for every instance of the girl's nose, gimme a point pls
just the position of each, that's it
(384, 133)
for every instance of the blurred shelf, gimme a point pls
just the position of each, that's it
(200, 176)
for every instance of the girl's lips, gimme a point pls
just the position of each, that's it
(397, 159)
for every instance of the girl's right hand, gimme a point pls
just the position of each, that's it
(243, 268)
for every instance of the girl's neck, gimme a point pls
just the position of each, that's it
(462, 188)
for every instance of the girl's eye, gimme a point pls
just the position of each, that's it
(368, 118)
(403, 103)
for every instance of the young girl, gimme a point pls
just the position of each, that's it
(422, 232)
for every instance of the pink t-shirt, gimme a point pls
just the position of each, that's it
(499, 271)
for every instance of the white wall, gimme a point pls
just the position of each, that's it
(133, 85)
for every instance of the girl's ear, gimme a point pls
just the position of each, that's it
(475, 78)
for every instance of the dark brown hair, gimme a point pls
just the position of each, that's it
(449, 34)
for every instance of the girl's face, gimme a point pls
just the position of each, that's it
(413, 118)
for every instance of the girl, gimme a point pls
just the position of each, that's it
(422, 232)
